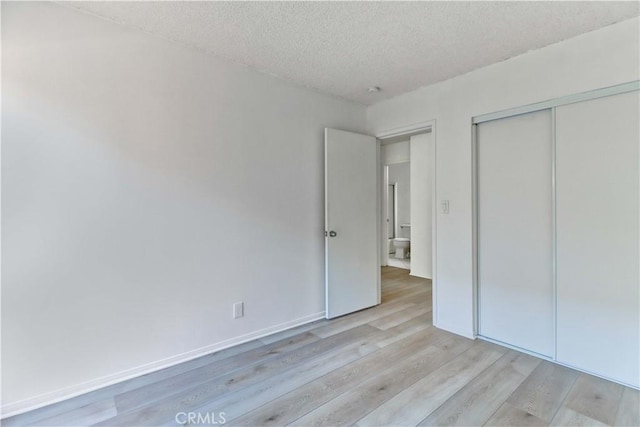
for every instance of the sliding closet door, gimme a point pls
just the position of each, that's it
(515, 274)
(597, 241)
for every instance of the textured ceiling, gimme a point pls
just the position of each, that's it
(341, 48)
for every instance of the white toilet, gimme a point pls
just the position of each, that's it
(402, 246)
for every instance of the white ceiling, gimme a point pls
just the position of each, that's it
(341, 48)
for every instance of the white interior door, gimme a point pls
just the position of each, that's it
(351, 221)
(515, 252)
(597, 244)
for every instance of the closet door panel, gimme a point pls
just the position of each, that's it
(597, 236)
(515, 277)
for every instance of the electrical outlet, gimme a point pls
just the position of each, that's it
(238, 310)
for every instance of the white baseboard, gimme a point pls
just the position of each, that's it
(19, 407)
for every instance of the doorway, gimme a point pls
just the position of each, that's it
(398, 214)
(407, 161)
(354, 207)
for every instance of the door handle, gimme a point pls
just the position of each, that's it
(332, 233)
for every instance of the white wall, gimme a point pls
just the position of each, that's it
(123, 154)
(422, 172)
(598, 59)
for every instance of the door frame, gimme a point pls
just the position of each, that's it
(386, 197)
(399, 133)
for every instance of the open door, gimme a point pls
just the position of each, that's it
(352, 268)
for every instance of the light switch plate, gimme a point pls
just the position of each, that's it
(238, 310)
(444, 206)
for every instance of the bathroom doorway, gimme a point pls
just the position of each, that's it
(398, 214)
(407, 161)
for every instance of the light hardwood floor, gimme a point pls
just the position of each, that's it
(383, 366)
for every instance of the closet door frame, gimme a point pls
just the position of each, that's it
(544, 105)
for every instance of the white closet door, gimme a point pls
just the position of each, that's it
(597, 241)
(515, 274)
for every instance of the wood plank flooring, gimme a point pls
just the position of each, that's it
(383, 366)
